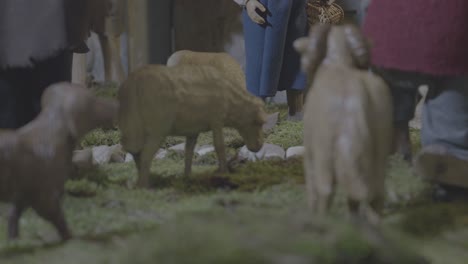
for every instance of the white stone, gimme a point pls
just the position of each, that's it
(297, 151)
(203, 150)
(179, 148)
(161, 154)
(245, 154)
(273, 152)
(101, 154)
(267, 152)
(83, 158)
(128, 157)
(118, 155)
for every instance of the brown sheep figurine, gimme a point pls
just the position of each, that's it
(184, 100)
(35, 160)
(347, 121)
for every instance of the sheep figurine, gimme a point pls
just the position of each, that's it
(36, 159)
(184, 100)
(347, 121)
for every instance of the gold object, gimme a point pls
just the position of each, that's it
(324, 12)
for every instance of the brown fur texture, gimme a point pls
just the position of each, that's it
(221, 60)
(36, 159)
(347, 122)
(184, 100)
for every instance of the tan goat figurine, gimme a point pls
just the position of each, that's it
(347, 121)
(184, 100)
(36, 159)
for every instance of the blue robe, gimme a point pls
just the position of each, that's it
(272, 64)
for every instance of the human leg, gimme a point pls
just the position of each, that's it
(292, 79)
(8, 102)
(444, 135)
(21, 88)
(404, 89)
(278, 16)
(254, 37)
(52, 70)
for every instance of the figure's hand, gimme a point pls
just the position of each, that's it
(251, 7)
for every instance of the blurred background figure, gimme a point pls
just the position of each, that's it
(38, 39)
(270, 28)
(422, 42)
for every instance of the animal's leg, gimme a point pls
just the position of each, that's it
(218, 140)
(13, 221)
(113, 70)
(189, 149)
(373, 211)
(325, 178)
(324, 201)
(143, 161)
(324, 184)
(378, 204)
(353, 206)
(378, 198)
(309, 180)
(51, 210)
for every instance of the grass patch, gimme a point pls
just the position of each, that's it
(231, 238)
(106, 90)
(430, 220)
(255, 214)
(286, 134)
(403, 187)
(100, 137)
(415, 136)
(168, 173)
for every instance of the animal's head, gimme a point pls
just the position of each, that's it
(313, 48)
(358, 45)
(79, 109)
(344, 43)
(251, 125)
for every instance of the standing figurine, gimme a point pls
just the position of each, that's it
(185, 100)
(347, 121)
(422, 42)
(36, 159)
(272, 64)
(37, 41)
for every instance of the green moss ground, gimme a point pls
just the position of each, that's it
(255, 214)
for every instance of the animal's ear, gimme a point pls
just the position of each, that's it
(262, 117)
(300, 45)
(358, 45)
(316, 48)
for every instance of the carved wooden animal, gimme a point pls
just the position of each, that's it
(347, 121)
(36, 159)
(221, 60)
(185, 100)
